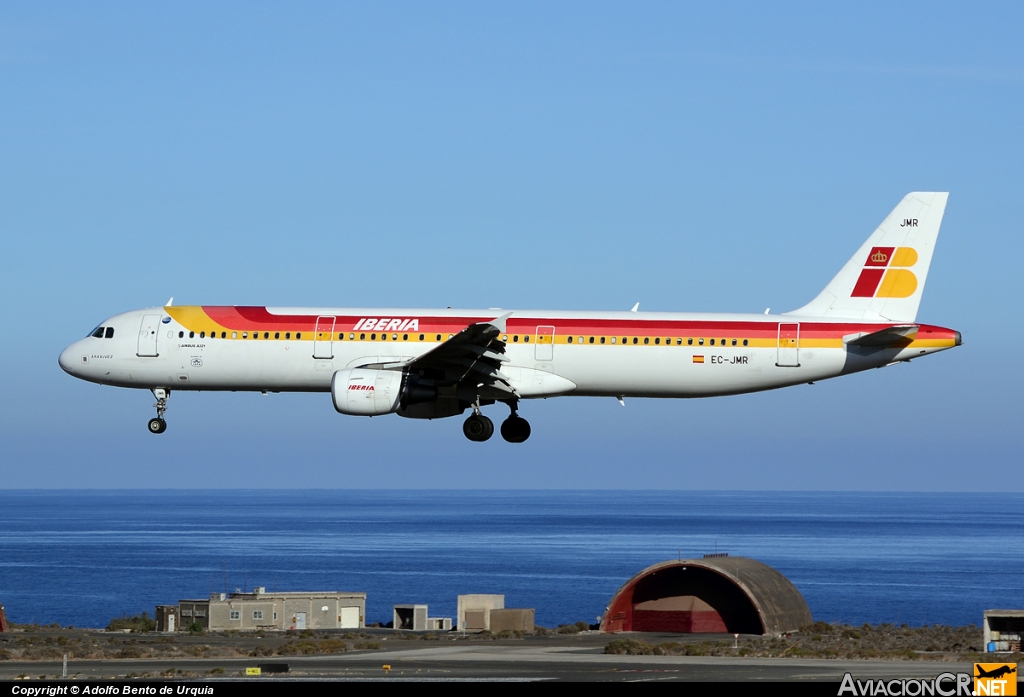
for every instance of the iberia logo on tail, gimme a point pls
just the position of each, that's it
(886, 274)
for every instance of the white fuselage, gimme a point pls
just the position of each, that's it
(688, 366)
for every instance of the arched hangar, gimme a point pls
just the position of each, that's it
(718, 593)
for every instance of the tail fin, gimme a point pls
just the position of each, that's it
(884, 280)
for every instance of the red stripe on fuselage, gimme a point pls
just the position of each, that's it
(259, 319)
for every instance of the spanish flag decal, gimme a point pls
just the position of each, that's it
(698, 359)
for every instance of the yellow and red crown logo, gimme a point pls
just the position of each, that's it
(886, 274)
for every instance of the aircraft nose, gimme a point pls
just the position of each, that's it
(67, 360)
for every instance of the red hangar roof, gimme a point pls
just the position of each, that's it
(718, 594)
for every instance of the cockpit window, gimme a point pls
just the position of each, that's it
(110, 333)
(98, 332)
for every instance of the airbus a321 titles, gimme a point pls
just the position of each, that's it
(432, 364)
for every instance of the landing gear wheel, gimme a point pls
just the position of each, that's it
(157, 425)
(478, 428)
(515, 429)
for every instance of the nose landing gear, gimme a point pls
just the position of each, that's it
(158, 425)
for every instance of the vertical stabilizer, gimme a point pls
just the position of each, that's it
(884, 280)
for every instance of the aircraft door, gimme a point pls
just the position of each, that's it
(789, 346)
(148, 331)
(322, 338)
(545, 343)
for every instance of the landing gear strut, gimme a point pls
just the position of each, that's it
(158, 425)
(515, 429)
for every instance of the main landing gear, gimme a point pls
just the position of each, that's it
(158, 425)
(514, 429)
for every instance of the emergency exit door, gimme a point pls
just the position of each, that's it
(545, 350)
(148, 335)
(322, 338)
(789, 346)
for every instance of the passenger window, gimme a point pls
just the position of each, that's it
(245, 335)
(570, 339)
(625, 340)
(341, 337)
(362, 337)
(110, 333)
(647, 340)
(656, 341)
(591, 339)
(602, 339)
(383, 336)
(191, 335)
(394, 337)
(734, 342)
(635, 340)
(234, 335)
(438, 337)
(421, 337)
(613, 339)
(288, 335)
(266, 335)
(744, 342)
(298, 335)
(515, 338)
(277, 335)
(700, 341)
(526, 339)
(712, 342)
(679, 342)
(373, 337)
(181, 335)
(202, 335)
(405, 337)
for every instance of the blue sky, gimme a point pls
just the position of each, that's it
(719, 157)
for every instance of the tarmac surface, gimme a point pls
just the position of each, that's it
(575, 658)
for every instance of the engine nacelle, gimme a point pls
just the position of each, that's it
(364, 392)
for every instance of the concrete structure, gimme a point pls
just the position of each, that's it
(274, 611)
(166, 617)
(194, 612)
(1003, 630)
(415, 618)
(718, 593)
(512, 620)
(410, 617)
(474, 611)
(439, 624)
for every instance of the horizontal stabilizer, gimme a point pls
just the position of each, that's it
(885, 337)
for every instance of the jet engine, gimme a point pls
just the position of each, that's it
(365, 392)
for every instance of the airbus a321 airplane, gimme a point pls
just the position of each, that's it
(431, 364)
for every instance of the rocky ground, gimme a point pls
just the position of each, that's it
(821, 640)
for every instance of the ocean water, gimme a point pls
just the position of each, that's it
(83, 557)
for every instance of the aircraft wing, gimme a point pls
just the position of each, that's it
(884, 337)
(473, 355)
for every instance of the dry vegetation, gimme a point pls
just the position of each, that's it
(49, 643)
(823, 640)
